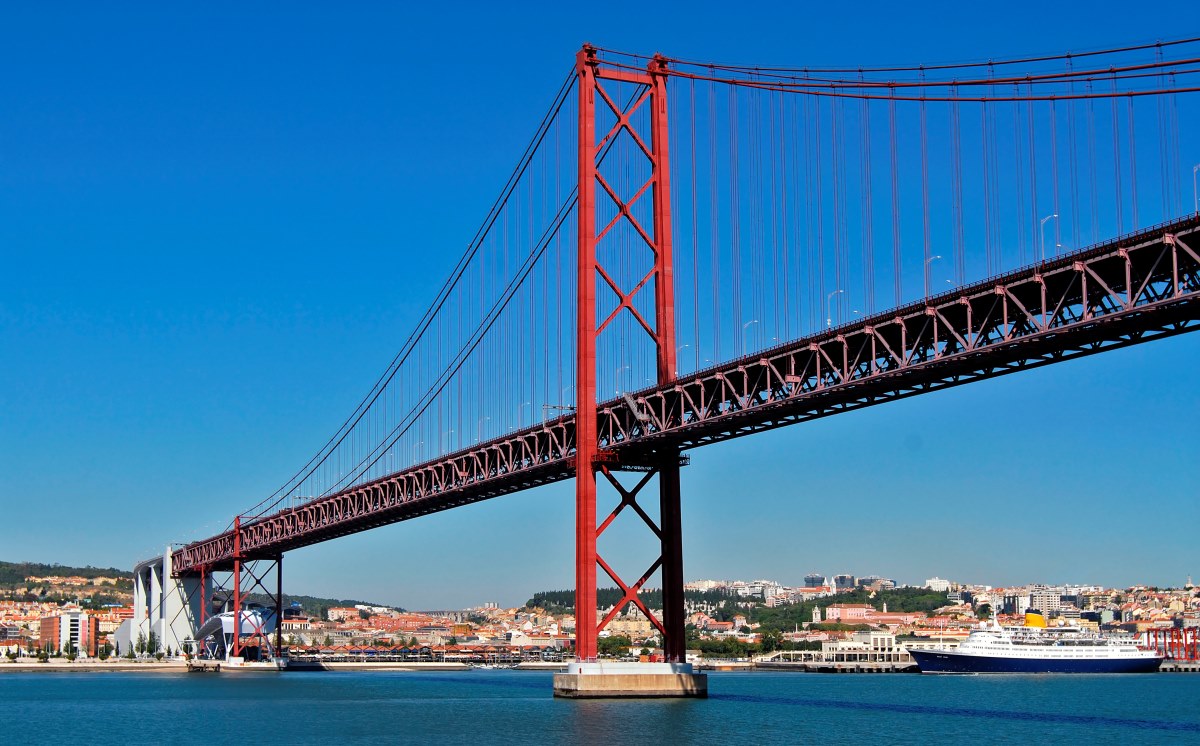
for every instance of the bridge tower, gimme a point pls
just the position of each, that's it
(594, 463)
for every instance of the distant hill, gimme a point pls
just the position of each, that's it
(14, 573)
(563, 602)
(780, 618)
(314, 606)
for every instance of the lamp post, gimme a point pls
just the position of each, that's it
(1195, 194)
(678, 350)
(522, 406)
(1042, 234)
(929, 261)
(617, 378)
(744, 326)
(478, 426)
(829, 307)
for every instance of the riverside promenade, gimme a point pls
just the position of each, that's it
(27, 665)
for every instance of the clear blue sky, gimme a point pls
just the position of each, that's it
(217, 227)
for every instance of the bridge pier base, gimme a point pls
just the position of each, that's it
(630, 681)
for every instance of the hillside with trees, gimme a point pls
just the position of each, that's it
(723, 607)
(13, 574)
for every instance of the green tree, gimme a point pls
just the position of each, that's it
(614, 645)
(984, 611)
(140, 647)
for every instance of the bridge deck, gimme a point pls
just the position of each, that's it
(1141, 287)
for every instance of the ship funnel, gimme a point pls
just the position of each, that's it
(1034, 618)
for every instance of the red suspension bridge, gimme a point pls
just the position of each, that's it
(689, 252)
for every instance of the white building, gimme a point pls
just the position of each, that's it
(938, 585)
(166, 606)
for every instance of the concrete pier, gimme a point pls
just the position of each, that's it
(630, 681)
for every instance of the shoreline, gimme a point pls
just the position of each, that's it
(180, 666)
(91, 666)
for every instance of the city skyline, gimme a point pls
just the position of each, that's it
(192, 306)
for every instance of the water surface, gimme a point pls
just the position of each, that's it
(517, 707)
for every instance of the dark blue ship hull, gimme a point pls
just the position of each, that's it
(931, 661)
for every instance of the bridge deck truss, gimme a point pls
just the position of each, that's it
(1142, 287)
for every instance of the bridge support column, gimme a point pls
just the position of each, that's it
(236, 648)
(250, 626)
(244, 632)
(671, 528)
(604, 87)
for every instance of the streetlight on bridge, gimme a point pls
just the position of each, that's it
(1195, 194)
(617, 379)
(678, 350)
(929, 261)
(1042, 234)
(748, 323)
(829, 307)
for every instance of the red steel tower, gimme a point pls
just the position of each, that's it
(593, 462)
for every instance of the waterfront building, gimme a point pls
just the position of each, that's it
(72, 626)
(859, 647)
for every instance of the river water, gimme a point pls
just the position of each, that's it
(517, 707)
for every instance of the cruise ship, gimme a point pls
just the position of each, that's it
(1036, 648)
